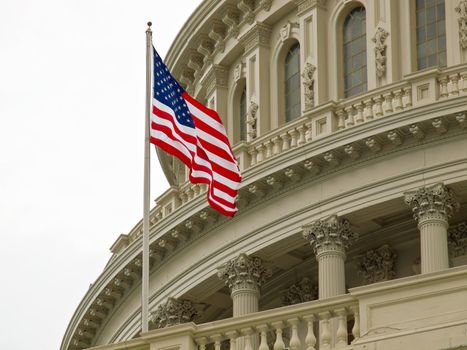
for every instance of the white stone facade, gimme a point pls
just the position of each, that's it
(376, 183)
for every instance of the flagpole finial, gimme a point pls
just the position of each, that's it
(149, 26)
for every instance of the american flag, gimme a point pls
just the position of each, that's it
(185, 128)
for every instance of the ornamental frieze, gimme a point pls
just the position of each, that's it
(300, 292)
(377, 265)
(172, 312)
(457, 239)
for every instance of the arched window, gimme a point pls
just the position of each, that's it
(355, 79)
(431, 33)
(292, 83)
(242, 116)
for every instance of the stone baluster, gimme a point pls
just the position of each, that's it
(443, 87)
(232, 335)
(279, 343)
(359, 116)
(263, 344)
(285, 141)
(388, 108)
(340, 119)
(407, 99)
(293, 138)
(294, 343)
(464, 81)
(378, 106)
(397, 101)
(308, 132)
(325, 331)
(368, 114)
(349, 121)
(276, 149)
(247, 339)
(260, 154)
(341, 333)
(356, 324)
(432, 207)
(310, 339)
(201, 343)
(454, 84)
(253, 152)
(268, 145)
(217, 341)
(301, 134)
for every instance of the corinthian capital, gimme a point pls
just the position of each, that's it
(329, 235)
(436, 201)
(173, 312)
(244, 272)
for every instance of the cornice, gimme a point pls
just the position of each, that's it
(191, 221)
(257, 36)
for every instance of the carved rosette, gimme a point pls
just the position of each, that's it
(377, 265)
(432, 202)
(244, 273)
(380, 51)
(461, 9)
(308, 83)
(330, 235)
(457, 240)
(300, 292)
(173, 312)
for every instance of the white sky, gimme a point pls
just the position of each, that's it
(72, 82)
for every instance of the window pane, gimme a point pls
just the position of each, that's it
(355, 52)
(292, 83)
(431, 33)
(242, 116)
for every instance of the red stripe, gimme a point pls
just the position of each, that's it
(168, 117)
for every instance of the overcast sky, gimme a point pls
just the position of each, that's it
(72, 76)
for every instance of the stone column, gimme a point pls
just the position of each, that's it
(329, 239)
(432, 207)
(244, 276)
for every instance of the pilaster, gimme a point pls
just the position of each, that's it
(215, 82)
(432, 207)
(172, 312)
(312, 16)
(256, 44)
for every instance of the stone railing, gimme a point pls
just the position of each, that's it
(393, 314)
(416, 90)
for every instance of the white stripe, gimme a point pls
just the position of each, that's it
(179, 146)
(221, 161)
(222, 205)
(234, 185)
(205, 118)
(221, 194)
(185, 129)
(213, 141)
(161, 121)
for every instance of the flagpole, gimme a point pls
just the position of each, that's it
(146, 208)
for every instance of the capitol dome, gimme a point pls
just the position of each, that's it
(349, 123)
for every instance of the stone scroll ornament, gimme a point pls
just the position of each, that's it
(174, 311)
(251, 119)
(377, 265)
(461, 9)
(300, 292)
(457, 239)
(308, 83)
(380, 51)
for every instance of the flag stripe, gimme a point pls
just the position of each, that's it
(185, 128)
